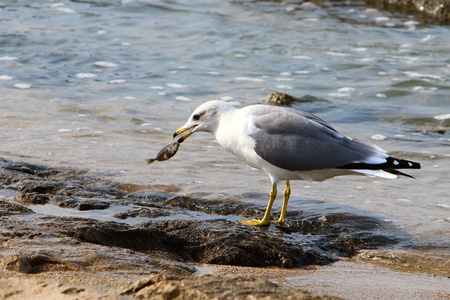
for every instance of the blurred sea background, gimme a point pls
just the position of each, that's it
(102, 85)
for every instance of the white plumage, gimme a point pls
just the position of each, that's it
(288, 144)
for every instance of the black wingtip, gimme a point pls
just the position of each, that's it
(395, 163)
(391, 165)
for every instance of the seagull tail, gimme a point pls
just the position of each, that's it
(390, 166)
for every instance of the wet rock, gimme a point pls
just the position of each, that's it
(432, 11)
(286, 100)
(411, 261)
(41, 186)
(32, 198)
(216, 242)
(53, 242)
(83, 204)
(11, 208)
(143, 212)
(220, 207)
(49, 247)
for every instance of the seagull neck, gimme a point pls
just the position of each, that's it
(225, 117)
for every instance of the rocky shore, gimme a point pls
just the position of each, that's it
(77, 228)
(429, 11)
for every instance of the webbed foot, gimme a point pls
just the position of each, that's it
(255, 222)
(278, 222)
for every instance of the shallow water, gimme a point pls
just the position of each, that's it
(102, 85)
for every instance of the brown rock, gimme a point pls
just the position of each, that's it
(205, 287)
(15, 261)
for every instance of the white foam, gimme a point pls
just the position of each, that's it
(6, 77)
(403, 200)
(117, 81)
(411, 23)
(427, 38)
(420, 75)
(22, 86)
(346, 90)
(444, 205)
(442, 117)
(285, 87)
(332, 53)
(105, 64)
(226, 98)
(248, 79)
(284, 79)
(183, 98)
(86, 75)
(380, 95)
(8, 58)
(338, 95)
(302, 57)
(175, 85)
(66, 10)
(156, 87)
(378, 137)
(381, 19)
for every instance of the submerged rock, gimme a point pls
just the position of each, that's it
(286, 100)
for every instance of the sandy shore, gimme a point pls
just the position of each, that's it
(353, 279)
(346, 279)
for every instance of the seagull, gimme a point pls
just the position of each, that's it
(289, 144)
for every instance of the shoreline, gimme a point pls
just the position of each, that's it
(69, 255)
(348, 278)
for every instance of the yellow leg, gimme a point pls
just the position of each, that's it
(266, 219)
(286, 195)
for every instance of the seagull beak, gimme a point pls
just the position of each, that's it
(182, 130)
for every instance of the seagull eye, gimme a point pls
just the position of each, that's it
(196, 117)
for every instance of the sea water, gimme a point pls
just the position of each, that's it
(102, 85)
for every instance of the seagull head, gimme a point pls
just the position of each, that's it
(204, 118)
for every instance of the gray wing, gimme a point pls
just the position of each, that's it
(299, 141)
